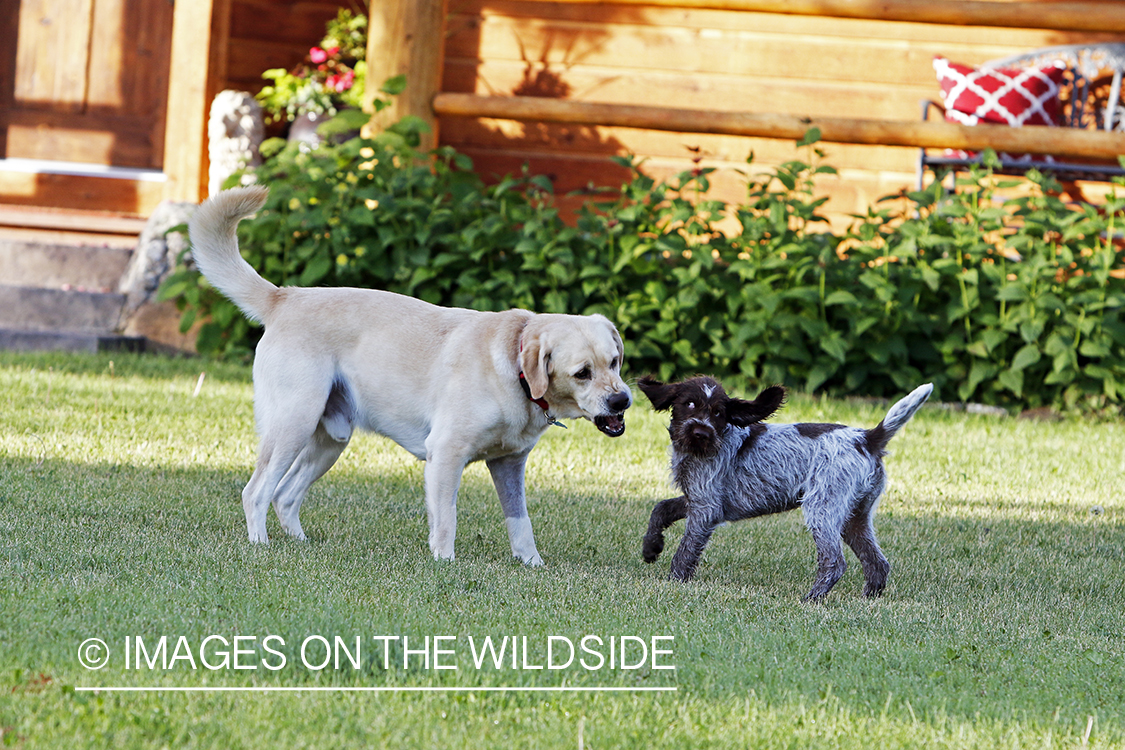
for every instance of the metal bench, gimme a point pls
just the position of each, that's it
(1087, 104)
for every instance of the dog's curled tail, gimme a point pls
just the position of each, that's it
(897, 417)
(214, 246)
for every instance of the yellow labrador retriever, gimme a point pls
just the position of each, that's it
(449, 385)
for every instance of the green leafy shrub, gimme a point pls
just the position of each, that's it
(1021, 298)
(1007, 300)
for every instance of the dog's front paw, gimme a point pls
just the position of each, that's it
(296, 532)
(532, 561)
(872, 592)
(653, 546)
(680, 575)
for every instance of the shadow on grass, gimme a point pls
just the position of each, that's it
(998, 617)
(929, 552)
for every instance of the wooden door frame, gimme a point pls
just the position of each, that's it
(198, 71)
(200, 36)
(197, 68)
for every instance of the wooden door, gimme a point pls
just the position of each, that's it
(85, 81)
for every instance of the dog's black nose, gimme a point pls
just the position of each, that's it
(619, 402)
(698, 440)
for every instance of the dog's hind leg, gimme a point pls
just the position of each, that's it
(275, 458)
(288, 413)
(507, 474)
(666, 513)
(315, 459)
(860, 536)
(859, 533)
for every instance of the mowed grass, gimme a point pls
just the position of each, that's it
(120, 517)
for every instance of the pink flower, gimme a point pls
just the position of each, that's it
(317, 55)
(340, 83)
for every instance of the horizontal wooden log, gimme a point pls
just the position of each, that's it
(88, 222)
(139, 197)
(705, 91)
(853, 195)
(690, 52)
(728, 151)
(1064, 15)
(1035, 140)
(1007, 41)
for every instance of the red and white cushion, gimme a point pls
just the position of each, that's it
(1002, 96)
(1005, 96)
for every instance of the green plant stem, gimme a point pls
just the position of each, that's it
(964, 295)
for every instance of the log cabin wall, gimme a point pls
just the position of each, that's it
(705, 59)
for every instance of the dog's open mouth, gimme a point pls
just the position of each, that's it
(611, 424)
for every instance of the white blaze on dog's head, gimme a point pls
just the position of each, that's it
(576, 367)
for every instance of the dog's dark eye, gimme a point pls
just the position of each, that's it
(691, 404)
(583, 374)
(613, 364)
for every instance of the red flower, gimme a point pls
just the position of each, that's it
(317, 55)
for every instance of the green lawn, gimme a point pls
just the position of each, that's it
(1002, 625)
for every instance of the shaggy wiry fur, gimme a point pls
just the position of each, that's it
(730, 466)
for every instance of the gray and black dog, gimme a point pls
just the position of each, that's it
(731, 466)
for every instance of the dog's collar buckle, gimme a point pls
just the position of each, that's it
(541, 403)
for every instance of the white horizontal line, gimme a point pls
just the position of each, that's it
(266, 689)
(81, 169)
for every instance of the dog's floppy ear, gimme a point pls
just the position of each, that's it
(535, 362)
(660, 394)
(744, 413)
(618, 342)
